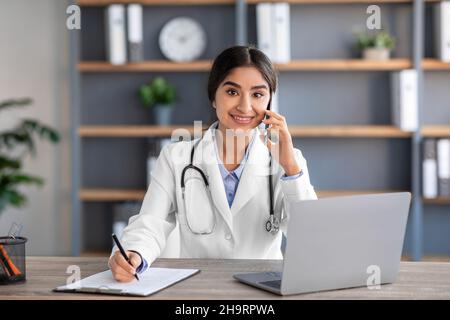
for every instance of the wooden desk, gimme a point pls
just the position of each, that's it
(416, 280)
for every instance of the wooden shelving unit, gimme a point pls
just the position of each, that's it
(295, 65)
(222, 2)
(347, 131)
(99, 194)
(339, 193)
(95, 253)
(337, 1)
(204, 65)
(96, 3)
(87, 194)
(131, 131)
(345, 65)
(147, 66)
(435, 65)
(417, 62)
(436, 131)
(437, 201)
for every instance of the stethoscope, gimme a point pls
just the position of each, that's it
(272, 225)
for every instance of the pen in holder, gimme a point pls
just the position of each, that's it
(12, 260)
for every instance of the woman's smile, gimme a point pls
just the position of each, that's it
(239, 119)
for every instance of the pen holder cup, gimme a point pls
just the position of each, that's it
(12, 260)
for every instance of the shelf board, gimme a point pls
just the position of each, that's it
(438, 201)
(340, 193)
(429, 258)
(435, 65)
(145, 66)
(97, 3)
(131, 131)
(345, 65)
(442, 131)
(205, 65)
(99, 194)
(87, 194)
(95, 253)
(330, 1)
(345, 131)
(348, 131)
(111, 194)
(87, 3)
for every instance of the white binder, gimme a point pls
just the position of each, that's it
(429, 168)
(443, 155)
(404, 100)
(135, 32)
(116, 46)
(442, 30)
(282, 32)
(264, 29)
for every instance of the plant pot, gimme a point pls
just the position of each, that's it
(162, 114)
(12, 260)
(378, 54)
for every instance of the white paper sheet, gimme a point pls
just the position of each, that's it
(151, 281)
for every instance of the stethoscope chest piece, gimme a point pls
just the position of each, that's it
(272, 225)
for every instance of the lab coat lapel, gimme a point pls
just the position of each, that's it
(206, 159)
(256, 166)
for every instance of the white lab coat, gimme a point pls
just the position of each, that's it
(239, 231)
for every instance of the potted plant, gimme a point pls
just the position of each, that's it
(376, 46)
(160, 96)
(15, 143)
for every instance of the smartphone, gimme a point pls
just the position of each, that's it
(266, 126)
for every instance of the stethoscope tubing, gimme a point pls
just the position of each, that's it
(272, 220)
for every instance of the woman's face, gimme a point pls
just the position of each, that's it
(241, 99)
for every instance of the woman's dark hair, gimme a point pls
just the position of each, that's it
(240, 56)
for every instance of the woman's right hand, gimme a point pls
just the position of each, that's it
(121, 269)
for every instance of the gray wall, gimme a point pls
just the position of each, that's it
(34, 63)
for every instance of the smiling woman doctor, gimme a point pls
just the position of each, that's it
(218, 187)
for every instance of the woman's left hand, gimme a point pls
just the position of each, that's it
(283, 151)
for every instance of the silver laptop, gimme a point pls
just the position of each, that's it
(339, 242)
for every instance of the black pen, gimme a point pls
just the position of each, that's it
(123, 252)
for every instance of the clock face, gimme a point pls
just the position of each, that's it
(182, 39)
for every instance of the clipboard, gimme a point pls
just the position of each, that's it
(151, 281)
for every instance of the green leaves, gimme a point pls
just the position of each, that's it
(377, 40)
(8, 163)
(8, 193)
(11, 197)
(147, 96)
(11, 175)
(45, 132)
(14, 103)
(19, 178)
(23, 135)
(157, 92)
